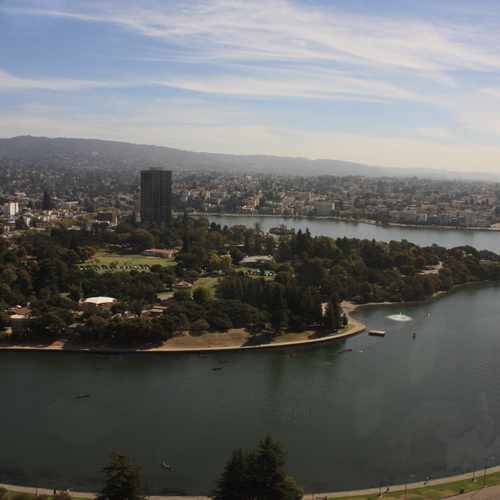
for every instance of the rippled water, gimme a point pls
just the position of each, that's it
(391, 407)
(482, 240)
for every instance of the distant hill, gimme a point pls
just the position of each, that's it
(95, 152)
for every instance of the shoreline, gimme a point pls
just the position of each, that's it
(354, 327)
(475, 475)
(353, 308)
(350, 220)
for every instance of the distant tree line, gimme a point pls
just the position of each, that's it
(311, 276)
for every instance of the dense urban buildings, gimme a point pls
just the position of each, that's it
(106, 192)
(156, 196)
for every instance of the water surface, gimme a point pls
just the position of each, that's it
(390, 408)
(425, 236)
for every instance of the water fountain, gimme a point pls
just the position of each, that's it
(399, 317)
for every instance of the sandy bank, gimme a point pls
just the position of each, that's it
(234, 340)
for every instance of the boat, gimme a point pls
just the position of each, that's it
(377, 333)
(344, 351)
(82, 396)
(414, 335)
(217, 368)
(166, 466)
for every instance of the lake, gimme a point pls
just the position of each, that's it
(425, 236)
(390, 410)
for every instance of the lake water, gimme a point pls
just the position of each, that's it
(392, 409)
(482, 240)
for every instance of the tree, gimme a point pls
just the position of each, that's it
(267, 475)
(140, 240)
(233, 483)
(279, 311)
(257, 475)
(201, 295)
(333, 315)
(123, 480)
(199, 326)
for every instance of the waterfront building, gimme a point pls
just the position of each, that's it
(156, 196)
(11, 209)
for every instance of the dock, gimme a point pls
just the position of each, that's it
(377, 333)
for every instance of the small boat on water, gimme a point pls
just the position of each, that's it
(377, 333)
(217, 368)
(414, 335)
(344, 351)
(166, 466)
(82, 396)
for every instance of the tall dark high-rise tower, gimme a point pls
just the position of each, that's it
(156, 196)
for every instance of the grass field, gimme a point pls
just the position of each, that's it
(434, 492)
(11, 495)
(123, 260)
(207, 282)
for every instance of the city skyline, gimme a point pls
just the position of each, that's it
(383, 83)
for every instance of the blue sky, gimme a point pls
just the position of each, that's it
(386, 82)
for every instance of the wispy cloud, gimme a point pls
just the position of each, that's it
(9, 81)
(309, 82)
(284, 30)
(433, 80)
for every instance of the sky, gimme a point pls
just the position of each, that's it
(402, 83)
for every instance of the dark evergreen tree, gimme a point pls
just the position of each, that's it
(267, 477)
(123, 480)
(257, 475)
(331, 318)
(233, 484)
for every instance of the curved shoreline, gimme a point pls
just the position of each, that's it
(349, 220)
(355, 327)
(392, 488)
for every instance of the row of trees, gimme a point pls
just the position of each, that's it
(258, 474)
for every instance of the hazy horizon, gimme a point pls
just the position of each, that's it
(381, 83)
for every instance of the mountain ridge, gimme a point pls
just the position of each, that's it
(33, 148)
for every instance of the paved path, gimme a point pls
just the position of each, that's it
(400, 487)
(486, 494)
(80, 494)
(492, 493)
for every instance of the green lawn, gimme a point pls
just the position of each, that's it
(121, 260)
(207, 282)
(11, 495)
(435, 492)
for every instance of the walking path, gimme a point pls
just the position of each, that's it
(489, 493)
(492, 493)
(419, 484)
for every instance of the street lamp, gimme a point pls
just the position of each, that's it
(485, 468)
(411, 476)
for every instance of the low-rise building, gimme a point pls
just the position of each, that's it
(100, 302)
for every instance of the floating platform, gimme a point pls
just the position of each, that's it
(377, 333)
